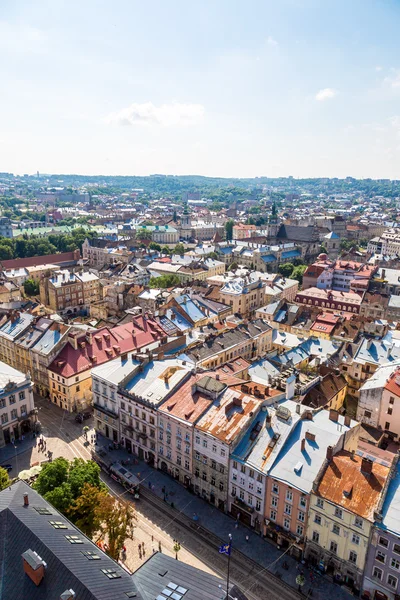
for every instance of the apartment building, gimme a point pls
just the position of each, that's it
(16, 404)
(242, 231)
(10, 331)
(344, 500)
(43, 352)
(379, 398)
(68, 293)
(245, 341)
(243, 295)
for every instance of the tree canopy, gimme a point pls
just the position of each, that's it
(164, 281)
(4, 479)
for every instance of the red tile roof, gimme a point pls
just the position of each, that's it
(105, 344)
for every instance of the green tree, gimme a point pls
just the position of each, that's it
(61, 497)
(323, 249)
(6, 252)
(31, 287)
(179, 249)
(81, 472)
(175, 218)
(212, 255)
(233, 266)
(229, 229)
(286, 269)
(117, 523)
(164, 281)
(52, 476)
(165, 250)
(154, 246)
(143, 234)
(298, 273)
(177, 547)
(83, 511)
(4, 479)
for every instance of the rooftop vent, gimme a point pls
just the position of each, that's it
(68, 595)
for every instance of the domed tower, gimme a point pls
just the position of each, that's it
(185, 218)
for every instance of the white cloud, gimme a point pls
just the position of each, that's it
(393, 80)
(325, 94)
(378, 68)
(21, 38)
(271, 41)
(165, 115)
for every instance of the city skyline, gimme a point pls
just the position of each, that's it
(306, 88)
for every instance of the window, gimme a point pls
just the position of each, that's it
(251, 486)
(223, 453)
(272, 515)
(358, 522)
(258, 505)
(74, 539)
(336, 529)
(250, 500)
(197, 456)
(213, 480)
(111, 573)
(396, 548)
(387, 425)
(42, 510)
(221, 469)
(383, 542)
(243, 469)
(204, 476)
(392, 581)
(377, 573)
(259, 489)
(204, 460)
(12, 399)
(288, 509)
(315, 537)
(301, 516)
(233, 491)
(367, 414)
(204, 443)
(241, 494)
(197, 472)
(338, 513)
(303, 501)
(22, 395)
(286, 523)
(14, 414)
(242, 481)
(274, 501)
(90, 555)
(221, 486)
(320, 503)
(289, 495)
(317, 519)
(380, 557)
(58, 525)
(4, 418)
(356, 539)
(395, 564)
(275, 488)
(391, 400)
(3, 402)
(300, 530)
(234, 464)
(390, 410)
(251, 473)
(353, 557)
(333, 547)
(179, 459)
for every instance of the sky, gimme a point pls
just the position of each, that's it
(229, 88)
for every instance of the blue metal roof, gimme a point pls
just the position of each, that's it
(291, 254)
(268, 258)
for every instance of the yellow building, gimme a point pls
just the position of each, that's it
(345, 496)
(242, 295)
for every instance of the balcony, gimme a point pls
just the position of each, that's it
(105, 410)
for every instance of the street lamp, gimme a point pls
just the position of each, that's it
(226, 596)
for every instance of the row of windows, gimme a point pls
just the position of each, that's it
(212, 479)
(336, 530)
(333, 547)
(205, 445)
(358, 522)
(286, 523)
(250, 484)
(244, 470)
(13, 415)
(250, 499)
(391, 580)
(11, 399)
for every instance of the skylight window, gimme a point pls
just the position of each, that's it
(173, 591)
(58, 525)
(42, 510)
(90, 555)
(74, 539)
(111, 573)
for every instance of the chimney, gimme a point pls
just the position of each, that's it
(303, 444)
(297, 409)
(333, 415)
(68, 595)
(366, 466)
(347, 421)
(26, 500)
(34, 566)
(329, 453)
(217, 377)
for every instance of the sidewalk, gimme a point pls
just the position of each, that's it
(260, 550)
(19, 447)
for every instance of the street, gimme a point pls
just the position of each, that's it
(256, 564)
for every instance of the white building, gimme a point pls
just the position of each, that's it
(16, 404)
(378, 404)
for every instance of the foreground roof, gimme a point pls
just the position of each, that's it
(23, 528)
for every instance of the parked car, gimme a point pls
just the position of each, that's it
(8, 468)
(80, 417)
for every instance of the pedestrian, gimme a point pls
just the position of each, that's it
(236, 525)
(159, 547)
(149, 485)
(153, 487)
(139, 547)
(247, 538)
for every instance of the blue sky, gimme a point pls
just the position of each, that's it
(222, 87)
